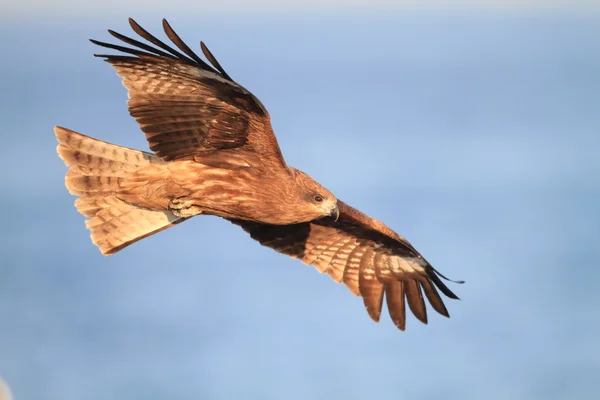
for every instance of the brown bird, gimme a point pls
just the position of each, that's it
(215, 153)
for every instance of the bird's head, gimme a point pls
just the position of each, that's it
(315, 198)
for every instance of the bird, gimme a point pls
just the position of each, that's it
(214, 152)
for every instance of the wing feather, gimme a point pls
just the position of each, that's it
(370, 288)
(213, 60)
(339, 260)
(186, 107)
(155, 41)
(174, 37)
(122, 49)
(314, 255)
(367, 256)
(414, 297)
(382, 268)
(434, 297)
(442, 286)
(139, 44)
(351, 272)
(394, 295)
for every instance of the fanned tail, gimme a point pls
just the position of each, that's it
(96, 169)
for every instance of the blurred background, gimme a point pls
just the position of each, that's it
(472, 130)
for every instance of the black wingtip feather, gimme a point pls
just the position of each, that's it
(139, 44)
(213, 60)
(155, 41)
(174, 37)
(109, 57)
(448, 279)
(189, 57)
(440, 285)
(434, 298)
(122, 49)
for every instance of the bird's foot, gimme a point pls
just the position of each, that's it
(184, 208)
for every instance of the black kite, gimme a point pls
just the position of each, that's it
(215, 153)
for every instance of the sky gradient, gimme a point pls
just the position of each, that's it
(475, 135)
(75, 8)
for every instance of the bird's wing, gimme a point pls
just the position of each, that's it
(371, 259)
(186, 107)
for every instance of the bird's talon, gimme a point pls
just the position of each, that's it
(183, 208)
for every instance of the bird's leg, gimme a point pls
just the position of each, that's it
(184, 207)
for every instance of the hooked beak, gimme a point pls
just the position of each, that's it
(335, 213)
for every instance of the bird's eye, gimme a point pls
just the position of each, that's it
(318, 198)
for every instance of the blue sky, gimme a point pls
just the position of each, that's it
(474, 133)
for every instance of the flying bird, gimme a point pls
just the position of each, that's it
(215, 153)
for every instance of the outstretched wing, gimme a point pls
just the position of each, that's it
(185, 107)
(371, 259)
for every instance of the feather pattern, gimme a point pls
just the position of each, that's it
(206, 109)
(371, 259)
(216, 153)
(97, 170)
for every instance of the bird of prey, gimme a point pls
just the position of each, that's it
(215, 153)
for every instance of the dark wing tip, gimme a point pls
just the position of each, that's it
(123, 49)
(166, 26)
(213, 60)
(132, 23)
(446, 278)
(433, 297)
(164, 50)
(440, 285)
(174, 37)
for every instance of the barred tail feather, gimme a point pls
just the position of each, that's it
(117, 224)
(96, 169)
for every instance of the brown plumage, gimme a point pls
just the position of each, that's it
(215, 153)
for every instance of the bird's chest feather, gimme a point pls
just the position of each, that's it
(248, 193)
